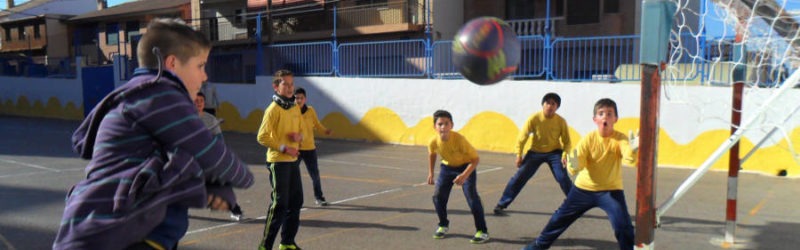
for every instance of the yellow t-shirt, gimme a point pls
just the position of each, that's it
(310, 123)
(275, 128)
(548, 134)
(455, 152)
(599, 159)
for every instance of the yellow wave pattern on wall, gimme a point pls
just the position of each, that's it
(489, 131)
(52, 109)
(493, 131)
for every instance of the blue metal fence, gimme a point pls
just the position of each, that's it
(610, 58)
(310, 59)
(404, 58)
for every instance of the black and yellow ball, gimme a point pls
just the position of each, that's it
(486, 50)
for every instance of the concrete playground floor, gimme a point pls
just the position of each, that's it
(379, 200)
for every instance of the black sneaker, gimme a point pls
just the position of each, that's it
(321, 202)
(236, 213)
(498, 210)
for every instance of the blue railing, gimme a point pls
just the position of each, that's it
(310, 59)
(610, 58)
(405, 58)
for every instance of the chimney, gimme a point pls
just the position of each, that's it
(102, 4)
(9, 4)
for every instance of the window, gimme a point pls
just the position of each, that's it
(36, 33)
(131, 30)
(559, 6)
(611, 6)
(238, 18)
(520, 9)
(8, 34)
(21, 33)
(370, 2)
(112, 34)
(583, 12)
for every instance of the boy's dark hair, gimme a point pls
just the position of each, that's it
(171, 37)
(605, 102)
(552, 96)
(300, 91)
(441, 113)
(276, 78)
(200, 93)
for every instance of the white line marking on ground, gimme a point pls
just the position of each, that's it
(6, 243)
(368, 165)
(40, 172)
(30, 165)
(200, 230)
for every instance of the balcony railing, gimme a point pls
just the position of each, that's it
(534, 27)
(394, 12)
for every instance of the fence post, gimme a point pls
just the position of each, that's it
(260, 58)
(335, 53)
(548, 48)
(428, 42)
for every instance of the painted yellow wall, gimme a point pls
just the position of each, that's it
(489, 131)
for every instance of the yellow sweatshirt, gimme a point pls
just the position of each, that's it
(310, 123)
(599, 161)
(275, 128)
(548, 134)
(456, 151)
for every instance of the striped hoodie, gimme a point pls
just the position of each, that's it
(148, 149)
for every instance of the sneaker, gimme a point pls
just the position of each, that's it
(288, 247)
(440, 232)
(236, 213)
(479, 238)
(321, 202)
(498, 210)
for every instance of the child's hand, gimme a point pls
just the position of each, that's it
(328, 132)
(217, 203)
(518, 162)
(459, 180)
(295, 137)
(291, 151)
(573, 160)
(633, 140)
(430, 179)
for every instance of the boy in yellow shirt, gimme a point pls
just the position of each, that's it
(459, 160)
(308, 148)
(548, 145)
(280, 132)
(596, 161)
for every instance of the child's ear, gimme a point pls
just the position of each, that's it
(170, 61)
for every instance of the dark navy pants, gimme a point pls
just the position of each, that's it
(442, 194)
(578, 202)
(310, 158)
(283, 213)
(529, 165)
(172, 228)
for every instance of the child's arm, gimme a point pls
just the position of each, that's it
(630, 149)
(431, 163)
(168, 115)
(522, 139)
(578, 158)
(318, 125)
(566, 143)
(460, 179)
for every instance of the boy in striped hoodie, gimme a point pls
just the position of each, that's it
(151, 157)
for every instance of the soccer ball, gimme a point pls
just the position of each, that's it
(486, 50)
